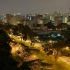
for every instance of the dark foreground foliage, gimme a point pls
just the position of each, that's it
(6, 60)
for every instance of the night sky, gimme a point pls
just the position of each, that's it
(32, 6)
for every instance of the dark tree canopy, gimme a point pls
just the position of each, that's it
(6, 61)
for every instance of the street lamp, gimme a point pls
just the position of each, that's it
(67, 48)
(50, 41)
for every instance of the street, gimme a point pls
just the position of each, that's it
(60, 64)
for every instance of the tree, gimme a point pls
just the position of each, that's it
(6, 60)
(27, 32)
(66, 34)
(4, 36)
(15, 30)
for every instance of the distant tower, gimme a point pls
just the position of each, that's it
(56, 21)
(8, 18)
(36, 13)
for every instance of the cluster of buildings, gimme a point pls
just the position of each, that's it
(36, 21)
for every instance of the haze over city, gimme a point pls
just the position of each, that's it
(32, 6)
(34, 35)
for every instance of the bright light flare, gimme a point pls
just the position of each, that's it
(28, 41)
(67, 48)
(50, 41)
(34, 56)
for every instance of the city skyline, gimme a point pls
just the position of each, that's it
(32, 6)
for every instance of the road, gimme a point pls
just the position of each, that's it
(60, 64)
(65, 59)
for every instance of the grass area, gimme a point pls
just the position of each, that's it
(60, 65)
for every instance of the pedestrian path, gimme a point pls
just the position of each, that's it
(65, 59)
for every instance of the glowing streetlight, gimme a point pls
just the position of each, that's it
(50, 41)
(34, 56)
(18, 22)
(28, 41)
(67, 48)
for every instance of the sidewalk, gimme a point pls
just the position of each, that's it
(65, 59)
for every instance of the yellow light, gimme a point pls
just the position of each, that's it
(18, 22)
(67, 48)
(50, 41)
(28, 41)
(34, 56)
(37, 37)
(17, 48)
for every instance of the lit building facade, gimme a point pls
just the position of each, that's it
(8, 18)
(17, 19)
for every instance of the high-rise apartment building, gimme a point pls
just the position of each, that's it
(65, 19)
(7, 19)
(56, 21)
(16, 19)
